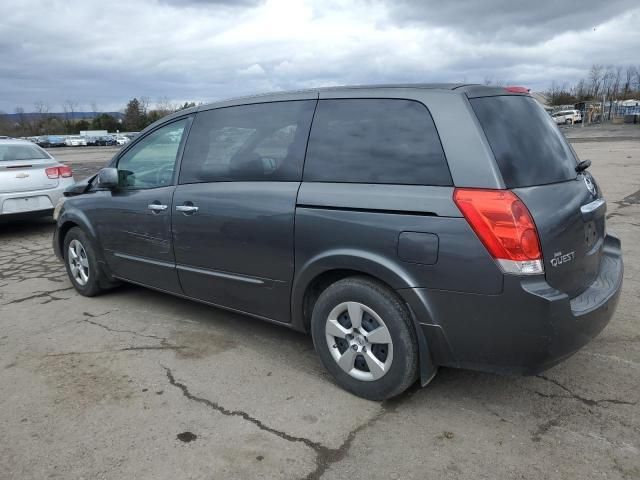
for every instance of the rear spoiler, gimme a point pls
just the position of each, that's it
(475, 91)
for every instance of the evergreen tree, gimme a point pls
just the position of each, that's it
(134, 116)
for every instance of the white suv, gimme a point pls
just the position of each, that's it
(122, 140)
(75, 141)
(567, 117)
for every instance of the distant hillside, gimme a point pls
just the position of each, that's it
(63, 115)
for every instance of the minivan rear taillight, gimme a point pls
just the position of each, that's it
(63, 171)
(505, 227)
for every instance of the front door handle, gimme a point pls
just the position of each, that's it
(187, 209)
(156, 207)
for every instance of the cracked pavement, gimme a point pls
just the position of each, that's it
(135, 384)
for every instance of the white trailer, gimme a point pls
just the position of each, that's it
(93, 133)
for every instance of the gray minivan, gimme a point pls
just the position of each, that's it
(405, 227)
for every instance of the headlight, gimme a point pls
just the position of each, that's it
(58, 208)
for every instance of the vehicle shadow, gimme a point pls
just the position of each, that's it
(25, 225)
(299, 349)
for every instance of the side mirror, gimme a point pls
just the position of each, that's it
(108, 178)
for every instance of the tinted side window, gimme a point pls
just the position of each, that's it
(150, 163)
(375, 141)
(261, 142)
(528, 147)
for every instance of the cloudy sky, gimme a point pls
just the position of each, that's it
(106, 52)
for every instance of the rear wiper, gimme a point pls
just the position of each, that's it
(583, 165)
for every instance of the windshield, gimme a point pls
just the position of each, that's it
(528, 147)
(22, 152)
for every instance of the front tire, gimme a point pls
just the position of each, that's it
(82, 263)
(365, 337)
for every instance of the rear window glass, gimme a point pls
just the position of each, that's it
(21, 152)
(527, 145)
(375, 141)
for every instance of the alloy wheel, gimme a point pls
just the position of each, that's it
(359, 341)
(78, 262)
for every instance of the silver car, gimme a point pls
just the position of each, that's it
(31, 180)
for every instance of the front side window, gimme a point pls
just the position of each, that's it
(375, 141)
(259, 142)
(151, 162)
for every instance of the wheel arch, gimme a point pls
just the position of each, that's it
(63, 229)
(72, 219)
(69, 220)
(321, 271)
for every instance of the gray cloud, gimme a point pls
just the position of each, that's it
(520, 21)
(212, 3)
(51, 51)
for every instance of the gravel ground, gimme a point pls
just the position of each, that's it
(135, 384)
(601, 133)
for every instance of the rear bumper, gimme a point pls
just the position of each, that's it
(41, 206)
(526, 329)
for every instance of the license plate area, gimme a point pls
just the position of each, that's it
(26, 204)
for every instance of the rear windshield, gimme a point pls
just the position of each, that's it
(527, 145)
(21, 152)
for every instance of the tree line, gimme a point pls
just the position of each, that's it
(136, 115)
(613, 82)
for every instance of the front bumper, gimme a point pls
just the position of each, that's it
(43, 201)
(526, 329)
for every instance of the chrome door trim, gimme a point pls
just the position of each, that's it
(226, 275)
(135, 258)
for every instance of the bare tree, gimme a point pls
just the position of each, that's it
(41, 107)
(40, 121)
(595, 79)
(581, 91)
(144, 105)
(617, 80)
(70, 108)
(164, 106)
(22, 122)
(552, 92)
(608, 78)
(629, 73)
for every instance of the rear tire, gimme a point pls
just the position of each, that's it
(82, 264)
(373, 355)
(568, 121)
